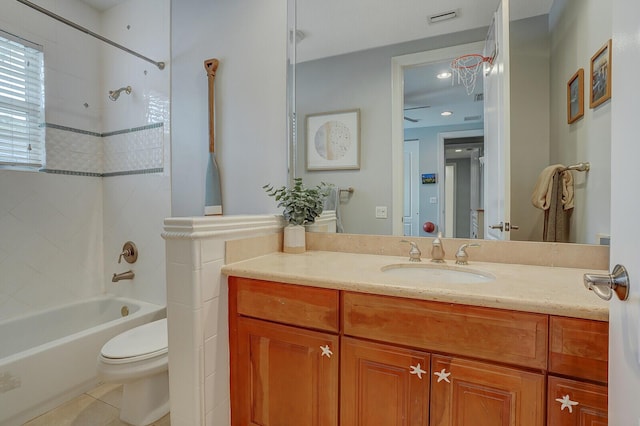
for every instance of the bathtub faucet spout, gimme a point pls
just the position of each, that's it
(123, 276)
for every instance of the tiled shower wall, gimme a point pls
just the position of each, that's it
(50, 240)
(60, 233)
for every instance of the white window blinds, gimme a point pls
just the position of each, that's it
(21, 102)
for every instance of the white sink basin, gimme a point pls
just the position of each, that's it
(430, 273)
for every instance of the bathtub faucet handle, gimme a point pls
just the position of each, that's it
(129, 252)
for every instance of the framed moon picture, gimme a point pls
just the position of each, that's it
(333, 140)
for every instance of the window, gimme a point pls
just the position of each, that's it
(21, 102)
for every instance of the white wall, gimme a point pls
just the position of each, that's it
(583, 27)
(135, 205)
(61, 234)
(51, 240)
(250, 40)
(51, 225)
(530, 115)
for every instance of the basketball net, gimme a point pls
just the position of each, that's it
(467, 68)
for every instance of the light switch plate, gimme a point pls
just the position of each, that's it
(381, 212)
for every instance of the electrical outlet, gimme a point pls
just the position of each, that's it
(381, 212)
(433, 200)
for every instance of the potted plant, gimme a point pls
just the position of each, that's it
(302, 205)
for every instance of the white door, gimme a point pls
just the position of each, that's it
(411, 198)
(497, 119)
(450, 183)
(624, 317)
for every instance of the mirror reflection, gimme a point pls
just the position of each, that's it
(344, 61)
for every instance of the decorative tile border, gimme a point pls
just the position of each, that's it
(91, 174)
(133, 129)
(77, 152)
(134, 172)
(102, 135)
(71, 172)
(70, 129)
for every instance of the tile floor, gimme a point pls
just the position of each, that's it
(98, 407)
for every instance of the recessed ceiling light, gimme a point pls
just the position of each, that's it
(446, 113)
(443, 75)
(458, 150)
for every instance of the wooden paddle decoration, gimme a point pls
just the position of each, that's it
(213, 191)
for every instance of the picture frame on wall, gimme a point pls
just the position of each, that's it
(575, 96)
(333, 140)
(600, 76)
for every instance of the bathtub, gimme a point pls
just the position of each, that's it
(49, 357)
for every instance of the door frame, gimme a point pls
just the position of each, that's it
(398, 64)
(441, 155)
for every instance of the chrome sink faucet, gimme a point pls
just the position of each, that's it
(462, 258)
(414, 252)
(437, 251)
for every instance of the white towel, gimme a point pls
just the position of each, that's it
(541, 197)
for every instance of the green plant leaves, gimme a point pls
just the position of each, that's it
(301, 204)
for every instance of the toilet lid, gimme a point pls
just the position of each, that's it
(150, 338)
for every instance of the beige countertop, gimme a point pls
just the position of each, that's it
(541, 289)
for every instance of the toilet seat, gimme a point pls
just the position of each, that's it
(137, 344)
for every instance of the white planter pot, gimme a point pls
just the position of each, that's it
(294, 239)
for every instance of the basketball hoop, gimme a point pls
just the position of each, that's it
(467, 68)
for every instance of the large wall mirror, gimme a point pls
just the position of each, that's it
(344, 55)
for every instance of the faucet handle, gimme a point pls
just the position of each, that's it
(462, 258)
(129, 252)
(414, 252)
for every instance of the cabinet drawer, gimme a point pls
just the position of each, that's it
(286, 303)
(511, 337)
(579, 348)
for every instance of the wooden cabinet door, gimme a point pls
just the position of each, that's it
(383, 385)
(286, 376)
(472, 393)
(574, 403)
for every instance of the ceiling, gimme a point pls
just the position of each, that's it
(103, 5)
(423, 89)
(330, 29)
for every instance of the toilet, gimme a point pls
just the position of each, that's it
(138, 359)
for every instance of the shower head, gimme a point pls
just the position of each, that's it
(115, 94)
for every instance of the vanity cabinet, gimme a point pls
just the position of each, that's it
(383, 384)
(285, 351)
(288, 376)
(578, 365)
(576, 403)
(464, 391)
(472, 393)
(314, 356)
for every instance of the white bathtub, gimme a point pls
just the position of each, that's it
(50, 356)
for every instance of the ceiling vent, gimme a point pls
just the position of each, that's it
(478, 97)
(444, 16)
(473, 118)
